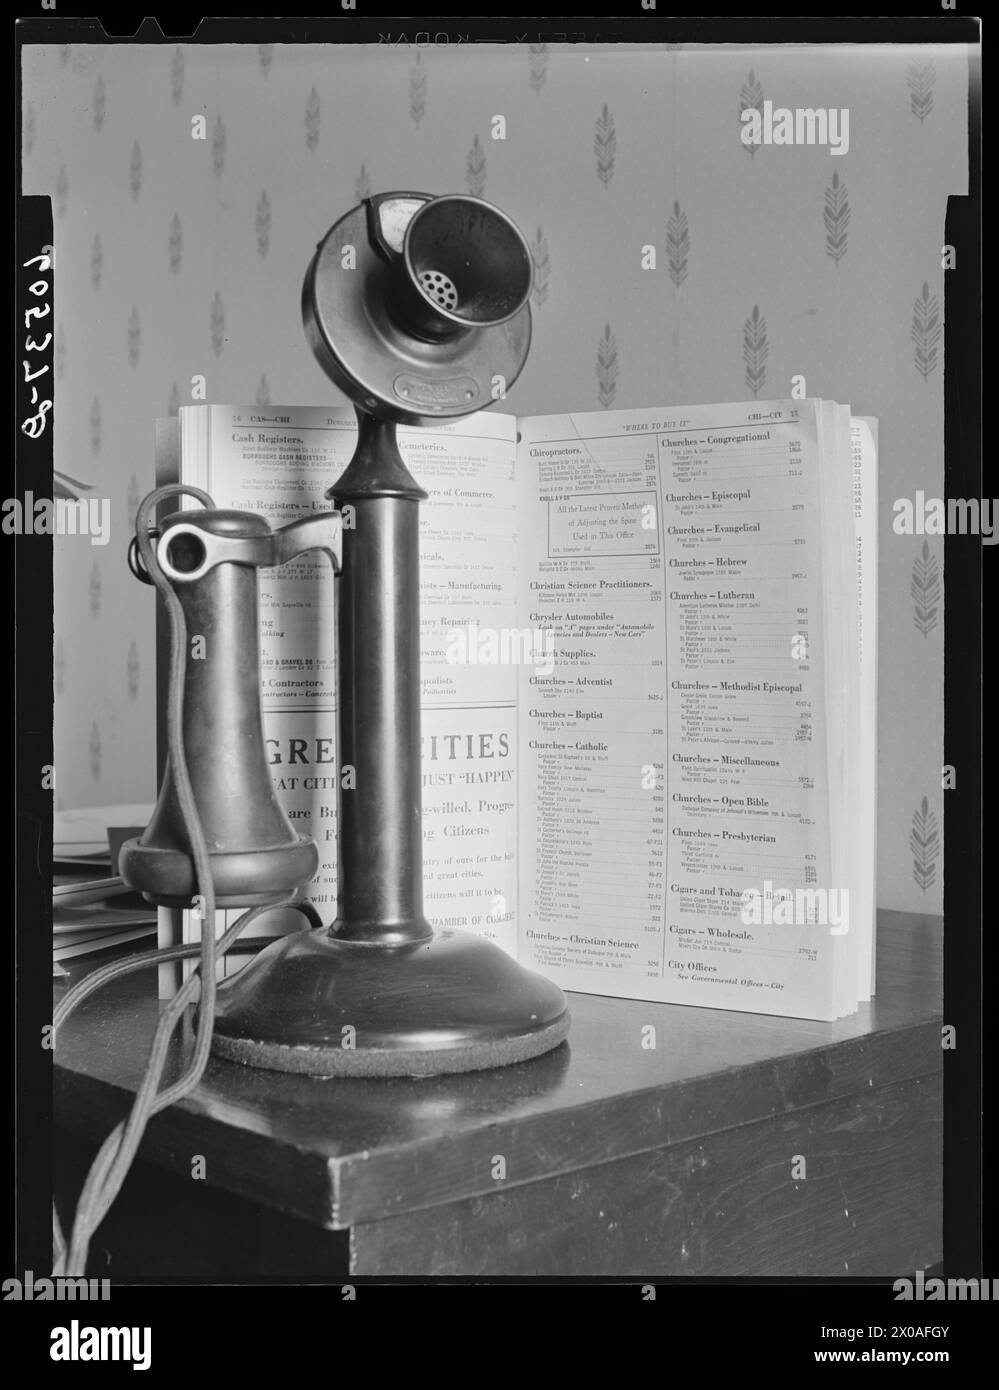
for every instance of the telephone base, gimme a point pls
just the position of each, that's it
(316, 1005)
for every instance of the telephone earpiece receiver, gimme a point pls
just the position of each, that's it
(417, 307)
(257, 858)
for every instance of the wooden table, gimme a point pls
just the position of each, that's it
(741, 1145)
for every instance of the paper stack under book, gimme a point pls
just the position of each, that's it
(91, 911)
(649, 645)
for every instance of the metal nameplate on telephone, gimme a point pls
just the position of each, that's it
(436, 395)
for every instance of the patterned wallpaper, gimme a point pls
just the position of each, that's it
(178, 257)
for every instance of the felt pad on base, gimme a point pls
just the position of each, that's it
(342, 1061)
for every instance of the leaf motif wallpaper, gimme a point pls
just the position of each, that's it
(179, 257)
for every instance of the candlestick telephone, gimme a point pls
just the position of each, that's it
(417, 307)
